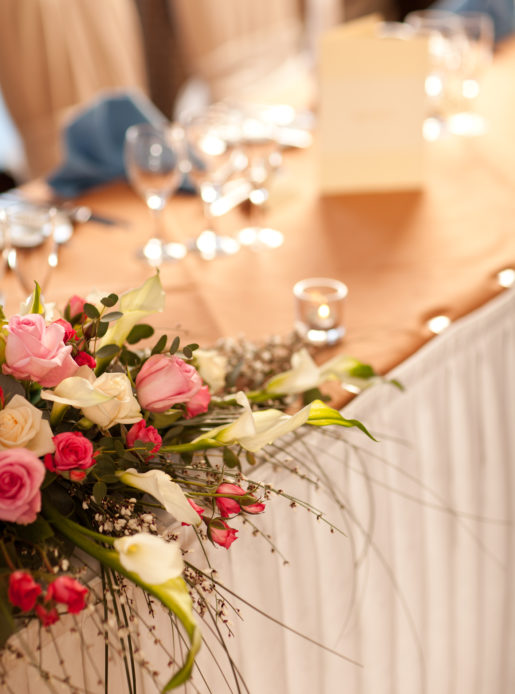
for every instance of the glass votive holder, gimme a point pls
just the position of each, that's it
(319, 305)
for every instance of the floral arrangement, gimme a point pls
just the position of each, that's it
(98, 436)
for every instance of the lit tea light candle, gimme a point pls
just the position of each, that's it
(319, 309)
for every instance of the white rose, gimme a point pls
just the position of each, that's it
(22, 426)
(212, 367)
(152, 558)
(121, 408)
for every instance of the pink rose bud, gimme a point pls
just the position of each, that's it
(195, 507)
(36, 352)
(21, 476)
(68, 591)
(73, 451)
(164, 381)
(47, 617)
(229, 507)
(147, 434)
(84, 359)
(198, 403)
(75, 305)
(222, 534)
(69, 332)
(23, 590)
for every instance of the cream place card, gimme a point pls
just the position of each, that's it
(372, 107)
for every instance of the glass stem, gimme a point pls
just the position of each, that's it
(159, 228)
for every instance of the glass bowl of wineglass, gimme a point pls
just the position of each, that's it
(152, 163)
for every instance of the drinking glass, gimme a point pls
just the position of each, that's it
(211, 160)
(258, 140)
(152, 165)
(477, 56)
(446, 39)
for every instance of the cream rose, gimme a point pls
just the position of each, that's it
(121, 408)
(212, 367)
(22, 426)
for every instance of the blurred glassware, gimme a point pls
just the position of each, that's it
(211, 159)
(259, 140)
(477, 56)
(28, 237)
(152, 163)
(447, 44)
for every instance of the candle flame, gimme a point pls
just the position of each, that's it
(324, 311)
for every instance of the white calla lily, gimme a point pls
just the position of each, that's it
(152, 558)
(253, 430)
(303, 375)
(135, 305)
(106, 400)
(161, 486)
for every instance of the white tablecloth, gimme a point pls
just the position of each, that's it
(419, 589)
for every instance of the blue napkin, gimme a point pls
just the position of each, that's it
(501, 12)
(94, 139)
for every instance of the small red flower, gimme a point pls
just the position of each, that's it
(47, 617)
(69, 332)
(147, 434)
(222, 534)
(68, 591)
(229, 507)
(84, 359)
(23, 590)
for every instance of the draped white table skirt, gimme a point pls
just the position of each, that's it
(419, 590)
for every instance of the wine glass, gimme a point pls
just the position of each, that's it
(210, 161)
(152, 164)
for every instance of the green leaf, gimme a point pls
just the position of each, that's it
(251, 458)
(102, 328)
(193, 346)
(175, 345)
(36, 532)
(230, 458)
(6, 617)
(313, 394)
(109, 301)
(36, 306)
(141, 331)
(187, 352)
(165, 419)
(173, 433)
(110, 317)
(91, 311)
(361, 371)
(321, 415)
(129, 358)
(160, 345)
(99, 490)
(107, 352)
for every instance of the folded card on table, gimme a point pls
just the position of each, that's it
(371, 111)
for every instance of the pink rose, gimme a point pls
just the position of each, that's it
(140, 432)
(69, 332)
(84, 359)
(68, 591)
(221, 533)
(21, 476)
(75, 305)
(23, 590)
(164, 381)
(195, 507)
(73, 451)
(47, 617)
(229, 507)
(198, 403)
(36, 352)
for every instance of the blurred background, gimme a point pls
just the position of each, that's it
(56, 55)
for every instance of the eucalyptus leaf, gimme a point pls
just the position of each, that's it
(141, 331)
(102, 328)
(107, 352)
(160, 345)
(175, 344)
(109, 301)
(112, 316)
(91, 311)
(230, 458)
